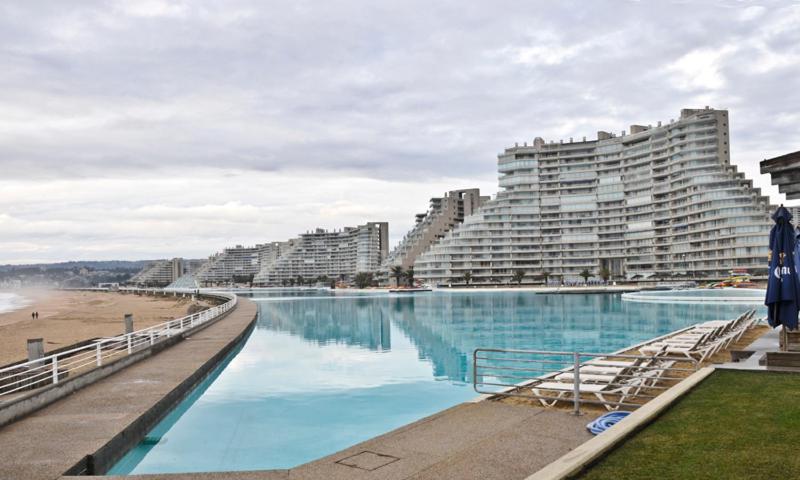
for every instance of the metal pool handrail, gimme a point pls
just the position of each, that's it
(53, 368)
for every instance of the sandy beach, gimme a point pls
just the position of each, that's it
(67, 317)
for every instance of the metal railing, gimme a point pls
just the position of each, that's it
(54, 368)
(613, 381)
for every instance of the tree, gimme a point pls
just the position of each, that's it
(604, 273)
(398, 274)
(410, 276)
(300, 280)
(545, 276)
(585, 274)
(518, 276)
(467, 277)
(362, 279)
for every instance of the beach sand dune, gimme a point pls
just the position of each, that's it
(67, 317)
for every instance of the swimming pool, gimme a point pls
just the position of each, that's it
(741, 296)
(322, 371)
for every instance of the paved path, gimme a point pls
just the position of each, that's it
(485, 440)
(46, 443)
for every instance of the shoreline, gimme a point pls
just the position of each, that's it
(12, 301)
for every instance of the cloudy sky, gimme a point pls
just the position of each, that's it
(148, 129)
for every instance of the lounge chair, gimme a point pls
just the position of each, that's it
(624, 389)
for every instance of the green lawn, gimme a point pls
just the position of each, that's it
(733, 425)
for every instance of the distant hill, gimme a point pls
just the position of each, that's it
(89, 264)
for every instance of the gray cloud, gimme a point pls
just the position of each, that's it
(382, 91)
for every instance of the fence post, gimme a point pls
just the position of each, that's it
(55, 369)
(151, 337)
(576, 379)
(99, 355)
(129, 343)
(35, 349)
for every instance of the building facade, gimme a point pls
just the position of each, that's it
(338, 254)
(268, 256)
(661, 202)
(232, 265)
(442, 216)
(161, 273)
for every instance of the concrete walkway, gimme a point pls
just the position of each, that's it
(769, 342)
(484, 440)
(47, 443)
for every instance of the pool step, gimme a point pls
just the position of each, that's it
(783, 360)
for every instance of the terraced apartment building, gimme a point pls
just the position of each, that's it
(443, 215)
(235, 263)
(336, 254)
(660, 202)
(161, 273)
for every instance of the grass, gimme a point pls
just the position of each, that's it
(735, 425)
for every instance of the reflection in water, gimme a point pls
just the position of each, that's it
(447, 327)
(360, 321)
(323, 371)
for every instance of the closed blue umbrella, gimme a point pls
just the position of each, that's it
(783, 287)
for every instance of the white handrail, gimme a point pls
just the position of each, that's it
(53, 368)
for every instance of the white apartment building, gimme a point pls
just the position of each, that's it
(268, 255)
(161, 273)
(234, 263)
(338, 254)
(658, 202)
(443, 214)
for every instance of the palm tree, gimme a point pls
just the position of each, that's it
(397, 273)
(585, 274)
(605, 274)
(518, 276)
(410, 276)
(467, 277)
(300, 280)
(363, 279)
(545, 276)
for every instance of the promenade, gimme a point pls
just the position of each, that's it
(47, 443)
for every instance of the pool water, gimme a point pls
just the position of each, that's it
(322, 371)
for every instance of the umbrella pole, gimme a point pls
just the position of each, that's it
(783, 342)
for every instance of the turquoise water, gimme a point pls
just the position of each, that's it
(322, 372)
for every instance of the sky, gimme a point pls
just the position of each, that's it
(154, 129)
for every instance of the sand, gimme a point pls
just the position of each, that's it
(67, 317)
